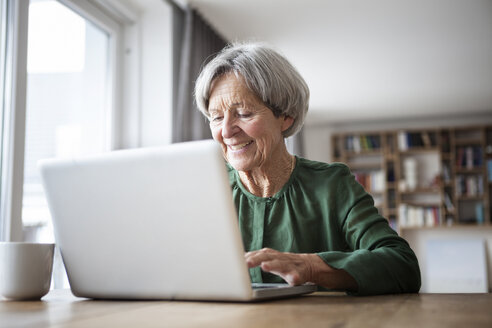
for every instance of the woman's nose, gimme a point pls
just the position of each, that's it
(229, 127)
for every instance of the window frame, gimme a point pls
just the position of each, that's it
(14, 119)
(14, 123)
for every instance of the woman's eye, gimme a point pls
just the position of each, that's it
(244, 115)
(216, 118)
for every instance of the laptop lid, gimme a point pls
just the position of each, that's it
(149, 223)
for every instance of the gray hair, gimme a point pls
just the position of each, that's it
(266, 73)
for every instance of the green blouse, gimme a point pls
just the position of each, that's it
(322, 209)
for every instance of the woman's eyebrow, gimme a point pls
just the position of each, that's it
(232, 105)
(213, 111)
(236, 104)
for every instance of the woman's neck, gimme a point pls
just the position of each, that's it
(267, 180)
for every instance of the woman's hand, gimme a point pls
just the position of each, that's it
(297, 269)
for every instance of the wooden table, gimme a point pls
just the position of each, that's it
(60, 309)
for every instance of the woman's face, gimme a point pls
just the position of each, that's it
(247, 130)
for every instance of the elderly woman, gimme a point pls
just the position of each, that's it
(301, 221)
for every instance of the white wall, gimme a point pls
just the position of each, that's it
(157, 74)
(396, 57)
(147, 95)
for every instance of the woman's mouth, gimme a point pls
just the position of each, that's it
(239, 146)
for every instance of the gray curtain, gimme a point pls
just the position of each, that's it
(195, 42)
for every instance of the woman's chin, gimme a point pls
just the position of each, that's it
(239, 165)
(240, 160)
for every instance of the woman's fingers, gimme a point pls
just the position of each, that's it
(285, 269)
(255, 258)
(293, 268)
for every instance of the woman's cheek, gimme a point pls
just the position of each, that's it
(215, 133)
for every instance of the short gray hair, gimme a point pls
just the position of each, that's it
(266, 73)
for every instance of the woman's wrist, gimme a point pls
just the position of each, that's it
(326, 276)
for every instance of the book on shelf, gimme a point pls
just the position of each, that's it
(426, 139)
(402, 141)
(475, 213)
(393, 224)
(419, 216)
(446, 174)
(431, 216)
(358, 143)
(371, 181)
(390, 175)
(469, 157)
(469, 186)
(448, 203)
(479, 213)
(408, 140)
(489, 170)
(391, 199)
(446, 147)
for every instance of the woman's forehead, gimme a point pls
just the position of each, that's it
(229, 88)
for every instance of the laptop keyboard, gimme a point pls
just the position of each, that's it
(256, 285)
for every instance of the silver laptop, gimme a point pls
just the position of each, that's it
(151, 223)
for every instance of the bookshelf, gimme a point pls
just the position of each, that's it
(423, 177)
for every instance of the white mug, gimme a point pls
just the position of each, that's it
(25, 270)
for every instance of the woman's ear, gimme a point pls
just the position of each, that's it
(287, 122)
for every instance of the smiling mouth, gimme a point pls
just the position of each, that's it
(240, 146)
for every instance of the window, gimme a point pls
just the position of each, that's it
(68, 75)
(70, 94)
(58, 63)
(13, 68)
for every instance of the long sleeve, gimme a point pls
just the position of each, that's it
(379, 260)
